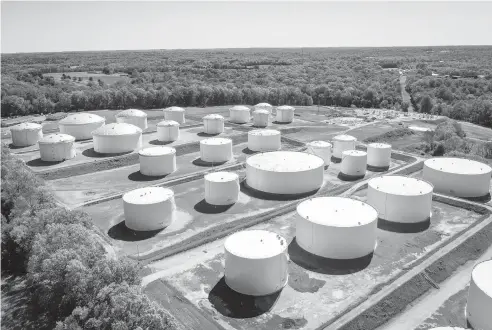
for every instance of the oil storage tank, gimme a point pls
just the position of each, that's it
(379, 155)
(400, 199)
(134, 117)
(175, 113)
(56, 147)
(221, 188)
(213, 124)
(157, 161)
(261, 118)
(264, 140)
(321, 149)
(168, 131)
(284, 172)
(264, 106)
(457, 176)
(216, 150)
(81, 125)
(336, 227)
(354, 163)
(256, 262)
(26, 134)
(285, 114)
(149, 208)
(479, 303)
(117, 138)
(342, 143)
(239, 114)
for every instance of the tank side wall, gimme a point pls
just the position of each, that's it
(107, 144)
(221, 193)
(478, 308)
(216, 153)
(340, 146)
(458, 184)
(144, 217)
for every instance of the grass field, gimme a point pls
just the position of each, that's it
(107, 79)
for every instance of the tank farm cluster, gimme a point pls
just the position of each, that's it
(333, 228)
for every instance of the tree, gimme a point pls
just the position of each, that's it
(404, 106)
(426, 104)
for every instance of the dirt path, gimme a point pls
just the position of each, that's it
(404, 94)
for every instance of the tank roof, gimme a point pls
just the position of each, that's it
(262, 111)
(56, 138)
(178, 109)
(26, 127)
(482, 275)
(157, 151)
(167, 123)
(285, 107)
(216, 141)
(354, 153)
(401, 185)
(263, 104)
(319, 144)
(240, 107)
(285, 161)
(264, 132)
(255, 244)
(380, 145)
(458, 166)
(214, 117)
(344, 137)
(148, 195)
(115, 129)
(131, 113)
(82, 119)
(221, 177)
(337, 211)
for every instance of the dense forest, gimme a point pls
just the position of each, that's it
(347, 77)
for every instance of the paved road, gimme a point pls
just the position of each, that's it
(404, 94)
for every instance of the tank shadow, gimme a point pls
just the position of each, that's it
(248, 151)
(93, 154)
(251, 192)
(13, 147)
(160, 143)
(336, 160)
(200, 162)
(377, 168)
(121, 232)
(481, 199)
(346, 177)
(262, 126)
(281, 123)
(138, 176)
(239, 306)
(207, 208)
(404, 228)
(327, 266)
(40, 163)
(203, 134)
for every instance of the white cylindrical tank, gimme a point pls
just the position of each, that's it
(168, 131)
(26, 134)
(321, 149)
(149, 208)
(81, 125)
(264, 106)
(336, 227)
(213, 124)
(264, 140)
(239, 114)
(157, 161)
(221, 188)
(285, 114)
(479, 304)
(379, 155)
(284, 172)
(457, 176)
(400, 199)
(261, 118)
(256, 262)
(354, 163)
(342, 143)
(117, 138)
(176, 114)
(134, 117)
(56, 147)
(216, 150)
(447, 328)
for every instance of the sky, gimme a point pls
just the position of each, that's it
(42, 26)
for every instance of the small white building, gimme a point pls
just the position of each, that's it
(26, 134)
(176, 114)
(256, 262)
(117, 138)
(239, 114)
(221, 188)
(56, 147)
(285, 114)
(157, 161)
(134, 117)
(168, 131)
(81, 125)
(213, 124)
